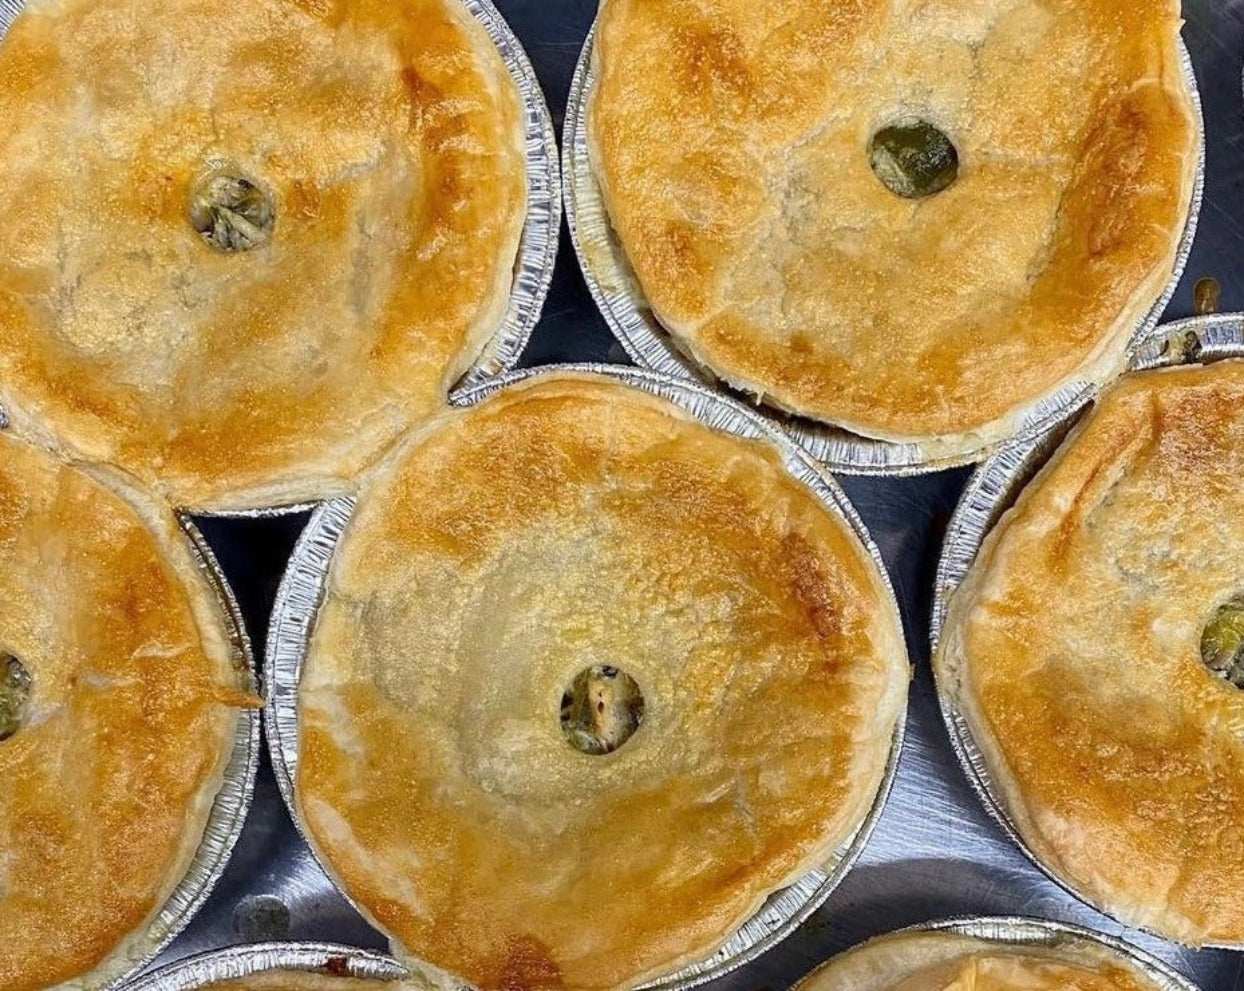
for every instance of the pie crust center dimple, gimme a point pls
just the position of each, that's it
(16, 685)
(1222, 642)
(230, 211)
(601, 709)
(913, 158)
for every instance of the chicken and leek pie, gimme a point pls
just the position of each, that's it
(119, 704)
(248, 243)
(590, 680)
(948, 961)
(910, 218)
(1096, 650)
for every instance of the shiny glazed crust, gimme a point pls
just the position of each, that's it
(106, 789)
(568, 522)
(947, 961)
(1073, 648)
(389, 137)
(730, 140)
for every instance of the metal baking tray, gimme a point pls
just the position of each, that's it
(936, 852)
(621, 300)
(302, 590)
(246, 961)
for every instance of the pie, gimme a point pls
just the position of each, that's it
(248, 244)
(1095, 651)
(948, 961)
(1045, 156)
(119, 705)
(590, 681)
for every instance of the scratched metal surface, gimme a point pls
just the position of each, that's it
(935, 853)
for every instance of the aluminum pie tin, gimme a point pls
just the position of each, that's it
(537, 249)
(992, 491)
(261, 958)
(1018, 933)
(621, 301)
(302, 590)
(229, 808)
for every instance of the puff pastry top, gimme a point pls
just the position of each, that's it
(947, 961)
(730, 139)
(568, 522)
(388, 138)
(106, 786)
(1073, 648)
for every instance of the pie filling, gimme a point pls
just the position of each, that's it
(15, 686)
(601, 709)
(231, 212)
(913, 159)
(1222, 643)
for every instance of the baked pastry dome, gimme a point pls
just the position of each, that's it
(119, 707)
(733, 145)
(358, 168)
(590, 680)
(1074, 651)
(949, 961)
(301, 980)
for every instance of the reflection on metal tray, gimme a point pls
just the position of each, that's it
(301, 593)
(936, 852)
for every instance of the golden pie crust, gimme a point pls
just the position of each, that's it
(730, 141)
(1073, 650)
(106, 787)
(389, 140)
(567, 522)
(948, 961)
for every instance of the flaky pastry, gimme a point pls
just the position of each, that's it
(734, 143)
(948, 961)
(247, 244)
(568, 535)
(1074, 650)
(118, 711)
(301, 980)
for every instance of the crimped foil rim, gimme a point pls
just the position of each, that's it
(649, 345)
(302, 588)
(229, 807)
(245, 961)
(992, 489)
(537, 249)
(1011, 931)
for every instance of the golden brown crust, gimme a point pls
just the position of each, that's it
(106, 788)
(1074, 649)
(391, 141)
(948, 961)
(730, 141)
(567, 522)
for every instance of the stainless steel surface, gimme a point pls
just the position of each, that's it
(302, 589)
(229, 808)
(936, 852)
(617, 292)
(993, 489)
(246, 961)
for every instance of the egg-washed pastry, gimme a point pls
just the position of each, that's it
(1095, 652)
(949, 961)
(590, 681)
(119, 705)
(247, 244)
(910, 218)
